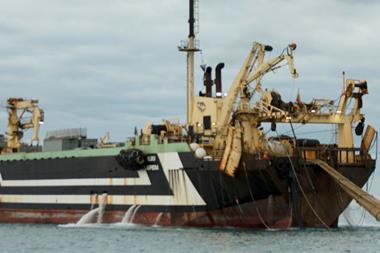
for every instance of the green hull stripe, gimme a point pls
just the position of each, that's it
(153, 147)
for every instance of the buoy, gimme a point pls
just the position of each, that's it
(194, 146)
(200, 153)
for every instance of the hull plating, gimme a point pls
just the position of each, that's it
(175, 189)
(274, 213)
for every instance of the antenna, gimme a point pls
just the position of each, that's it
(196, 16)
(189, 46)
(344, 80)
(191, 19)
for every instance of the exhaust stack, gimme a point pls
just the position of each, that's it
(207, 81)
(218, 79)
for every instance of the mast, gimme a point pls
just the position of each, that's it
(190, 48)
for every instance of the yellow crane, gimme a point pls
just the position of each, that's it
(18, 108)
(254, 68)
(238, 120)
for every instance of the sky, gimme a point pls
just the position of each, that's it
(112, 65)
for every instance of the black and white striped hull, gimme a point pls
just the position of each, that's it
(173, 182)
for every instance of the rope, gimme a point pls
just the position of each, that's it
(256, 206)
(288, 131)
(368, 189)
(363, 214)
(309, 132)
(300, 187)
(202, 59)
(254, 202)
(304, 195)
(314, 132)
(340, 202)
(313, 188)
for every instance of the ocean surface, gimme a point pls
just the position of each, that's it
(357, 232)
(133, 238)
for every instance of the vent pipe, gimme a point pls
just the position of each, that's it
(218, 79)
(207, 81)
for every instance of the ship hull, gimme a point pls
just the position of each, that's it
(174, 189)
(269, 213)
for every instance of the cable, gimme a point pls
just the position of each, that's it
(300, 187)
(202, 59)
(257, 208)
(304, 195)
(314, 132)
(250, 192)
(288, 131)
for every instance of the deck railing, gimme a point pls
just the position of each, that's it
(336, 156)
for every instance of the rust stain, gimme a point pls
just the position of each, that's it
(224, 217)
(109, 199)
(96, 199)
(92, 200)
(185, 186)
(125, 197)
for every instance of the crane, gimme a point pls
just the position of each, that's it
(17, 122)
(238, 125)
(254, 68)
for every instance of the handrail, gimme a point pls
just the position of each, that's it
(335, 155)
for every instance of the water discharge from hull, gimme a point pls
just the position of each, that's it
(157, 219)
(128, 214)
(88, 217)
(98, 212)
(102, 206)
(134, 214)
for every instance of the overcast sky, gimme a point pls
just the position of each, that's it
(113, 65)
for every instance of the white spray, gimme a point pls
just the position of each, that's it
(157, 220)
(102, 206)
(99, 211)
(128, 214)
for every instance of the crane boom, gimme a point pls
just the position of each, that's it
(253, 69)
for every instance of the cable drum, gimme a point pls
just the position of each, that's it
(131, 159)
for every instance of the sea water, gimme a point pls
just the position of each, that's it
(362, 236)
(358, 232)
(113, 238)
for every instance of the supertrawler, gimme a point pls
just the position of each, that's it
(220, 168)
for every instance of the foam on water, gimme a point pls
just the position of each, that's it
(116, 239)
